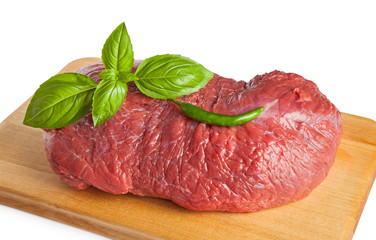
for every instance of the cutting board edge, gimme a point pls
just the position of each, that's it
(80, 62)
(56, 213)
(363, 203)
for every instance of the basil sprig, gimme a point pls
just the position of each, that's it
(66, 98)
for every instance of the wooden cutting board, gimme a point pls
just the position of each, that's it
(332, 211)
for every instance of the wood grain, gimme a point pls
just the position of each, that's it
(332, 211)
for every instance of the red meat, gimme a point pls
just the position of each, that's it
(149, 148)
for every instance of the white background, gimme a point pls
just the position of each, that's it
(332, 43)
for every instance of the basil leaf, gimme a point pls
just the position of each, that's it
(117, 52)
(110, 74)
(60, 101)
(127, 76)
(108, 98)
(171, 76)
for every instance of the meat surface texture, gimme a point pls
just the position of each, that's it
(149, 148)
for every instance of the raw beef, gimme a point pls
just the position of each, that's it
(150, 149)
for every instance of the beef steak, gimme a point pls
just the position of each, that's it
(149, 148)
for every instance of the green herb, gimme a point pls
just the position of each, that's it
(117, 52)
(171, 76)
(108, 97)
(60, 101)
(66, 98)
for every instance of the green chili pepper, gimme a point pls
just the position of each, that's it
(201, 115)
